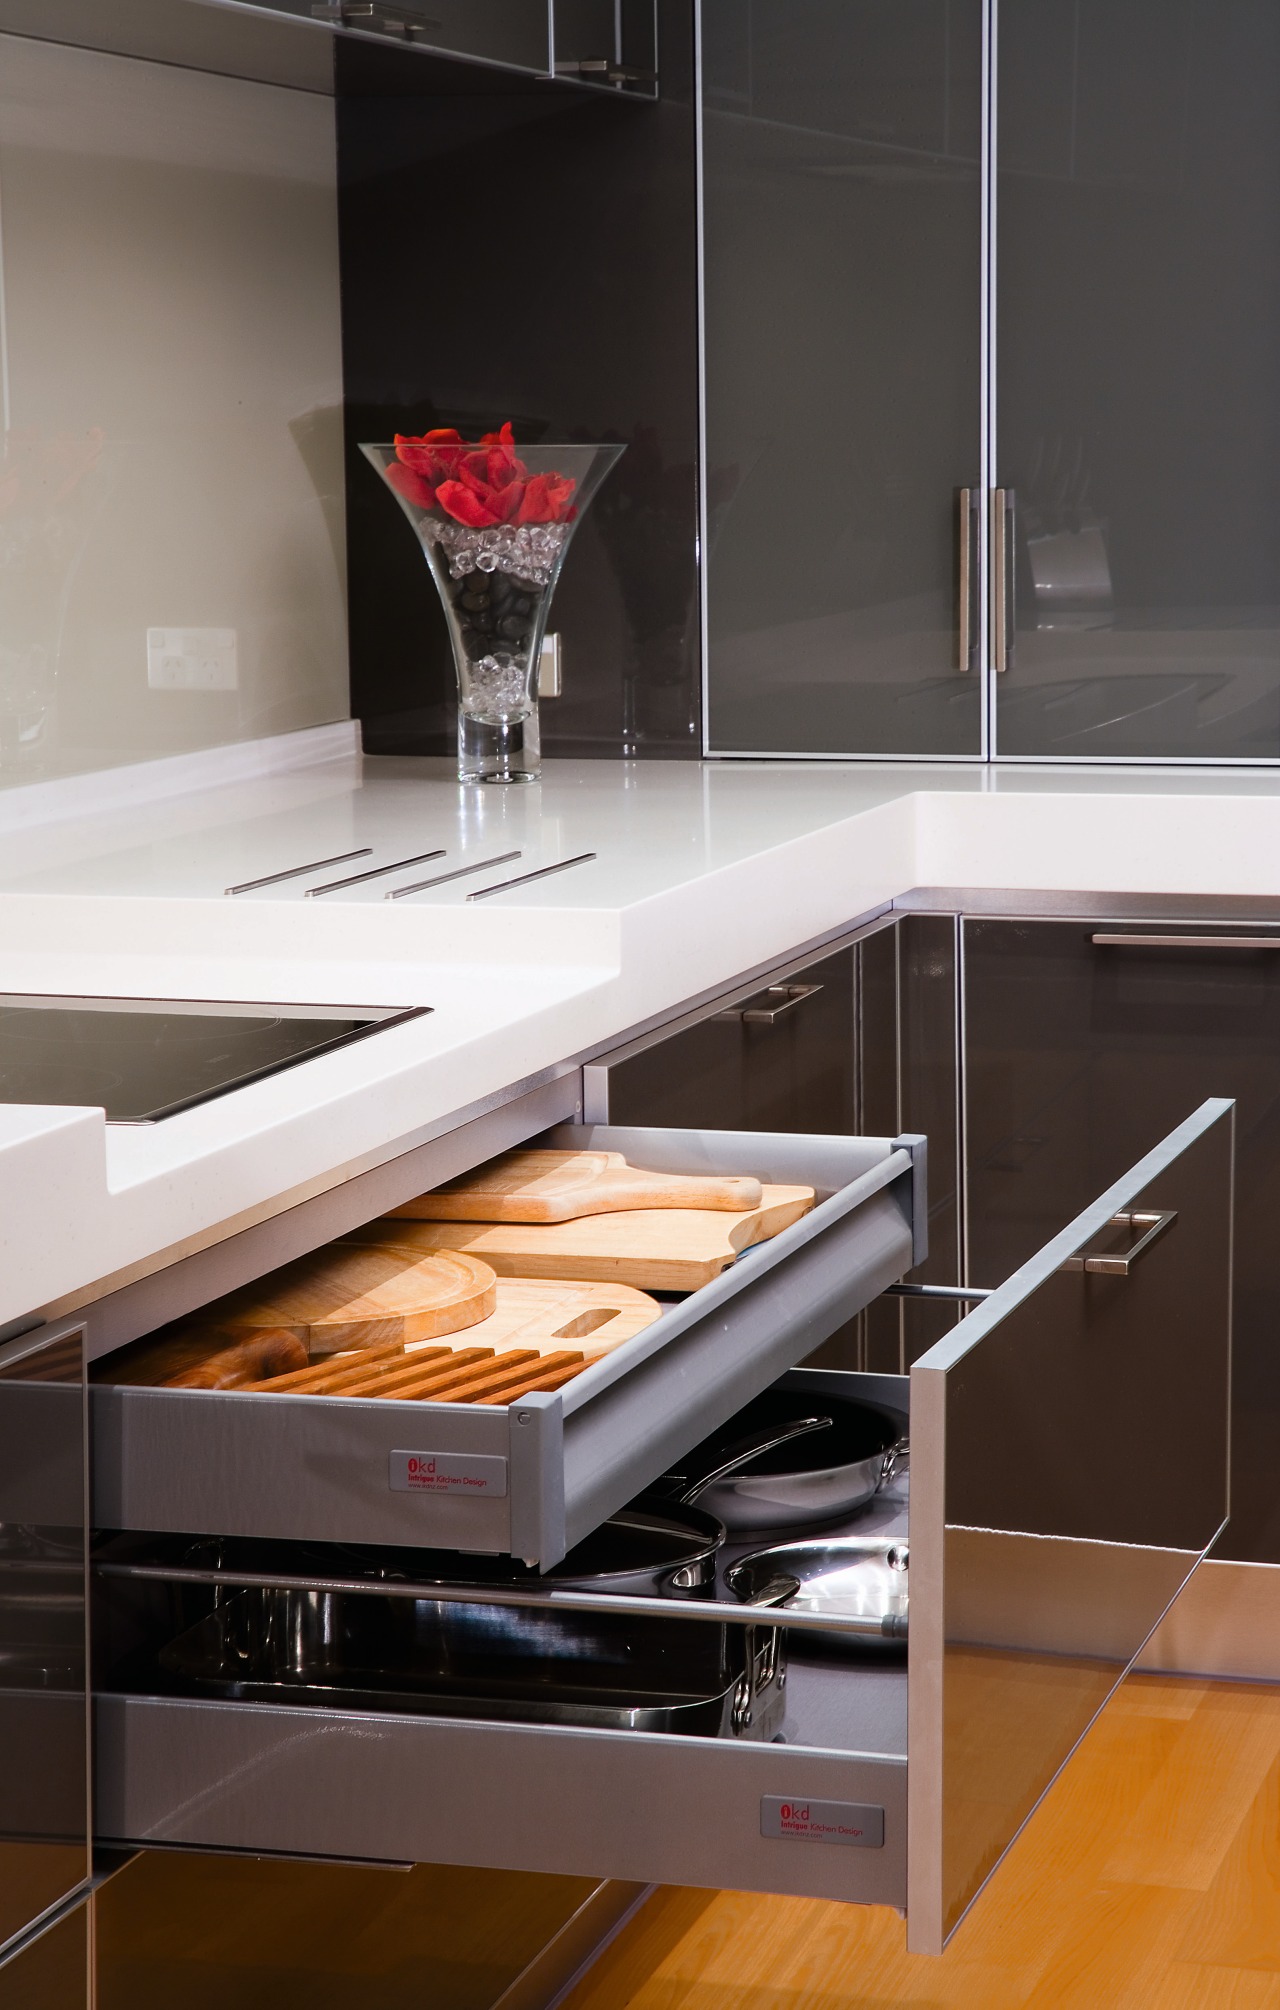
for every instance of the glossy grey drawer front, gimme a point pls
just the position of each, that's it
(44, 1710)
(533, 1479)
(1071, 1456)
(645, 1808)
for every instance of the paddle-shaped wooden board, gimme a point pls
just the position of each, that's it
(657, 1249)
(542, 1186)
(547, 1314)
(351, 1295)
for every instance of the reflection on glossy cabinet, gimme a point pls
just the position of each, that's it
(1138, 310)
(1080, 1052)
(53, 1970)
(842, 224)
(780, 1058)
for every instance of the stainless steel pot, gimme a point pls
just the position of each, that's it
(792, 1459)
(845, 1578)
(332, 1648)
(656, 1549)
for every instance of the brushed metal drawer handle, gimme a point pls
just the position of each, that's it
(1154, 1221)
(789, 996)
(1186, 941)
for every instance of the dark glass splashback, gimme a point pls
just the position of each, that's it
(842, 200)
(519, 248)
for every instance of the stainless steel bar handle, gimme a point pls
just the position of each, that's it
(789, 997)
(1154, 1221)
(954, 1294)
(1003, 605)
(1186, 941)
(966, 604)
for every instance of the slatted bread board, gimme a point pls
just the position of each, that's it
(537, 1317)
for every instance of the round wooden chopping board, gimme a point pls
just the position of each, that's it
(353, 1294)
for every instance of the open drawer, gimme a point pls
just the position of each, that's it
(1070, 1465)
(533, 1478)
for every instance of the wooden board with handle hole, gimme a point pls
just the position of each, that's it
(538, 1315)
(549, 1186)
(351, 1295)
(653, 1249)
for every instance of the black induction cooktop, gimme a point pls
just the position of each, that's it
(142, 1060)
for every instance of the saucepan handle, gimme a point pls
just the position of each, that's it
(896, 1462)
(752, 1447)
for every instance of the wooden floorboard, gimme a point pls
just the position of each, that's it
(1148, 1880)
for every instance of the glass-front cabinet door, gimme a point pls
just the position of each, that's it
(1137, 397)
(1099, 173)
(842, 231)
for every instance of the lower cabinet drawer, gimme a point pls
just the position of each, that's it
(517, 1797)
(1070, 1459)
(534, 1478)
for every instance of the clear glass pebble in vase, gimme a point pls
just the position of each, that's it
(494, 521)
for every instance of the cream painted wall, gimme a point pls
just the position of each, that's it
(169, 263)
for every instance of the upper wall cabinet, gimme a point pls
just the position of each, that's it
(1090, 543)
(601, 42)
(1138, 403)
(842, 222)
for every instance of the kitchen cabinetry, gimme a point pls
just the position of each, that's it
(1029, 1527)
(780, 1056)
(52, 1971)
(843, 232)
(864, 1038)
(1137, 308)
(44, 1805)
(1083, 1038)
(596, 41)
(997, 422)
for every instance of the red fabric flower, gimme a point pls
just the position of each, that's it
(478, 485)
(435, 455)
(465, 505)
(546, 500)
(412, 486)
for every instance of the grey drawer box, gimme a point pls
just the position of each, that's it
(592, 1803)
(533, 1479)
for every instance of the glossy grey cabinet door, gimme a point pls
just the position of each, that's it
(841, 196)
(1080, 1053)
(52, 1971)
(780, 1058)
(1070, 1462)
(1138, 403)
(44, 1806)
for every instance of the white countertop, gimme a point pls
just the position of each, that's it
(702, 871)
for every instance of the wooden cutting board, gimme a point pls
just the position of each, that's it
(547, 1314)
(542, 1186)
(350, 1295)
(655, 1249)
(199, 1355)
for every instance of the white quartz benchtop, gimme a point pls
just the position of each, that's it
(702, 871)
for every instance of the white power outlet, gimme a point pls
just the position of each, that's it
(192, 659)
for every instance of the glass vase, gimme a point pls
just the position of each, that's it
(495, 578)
